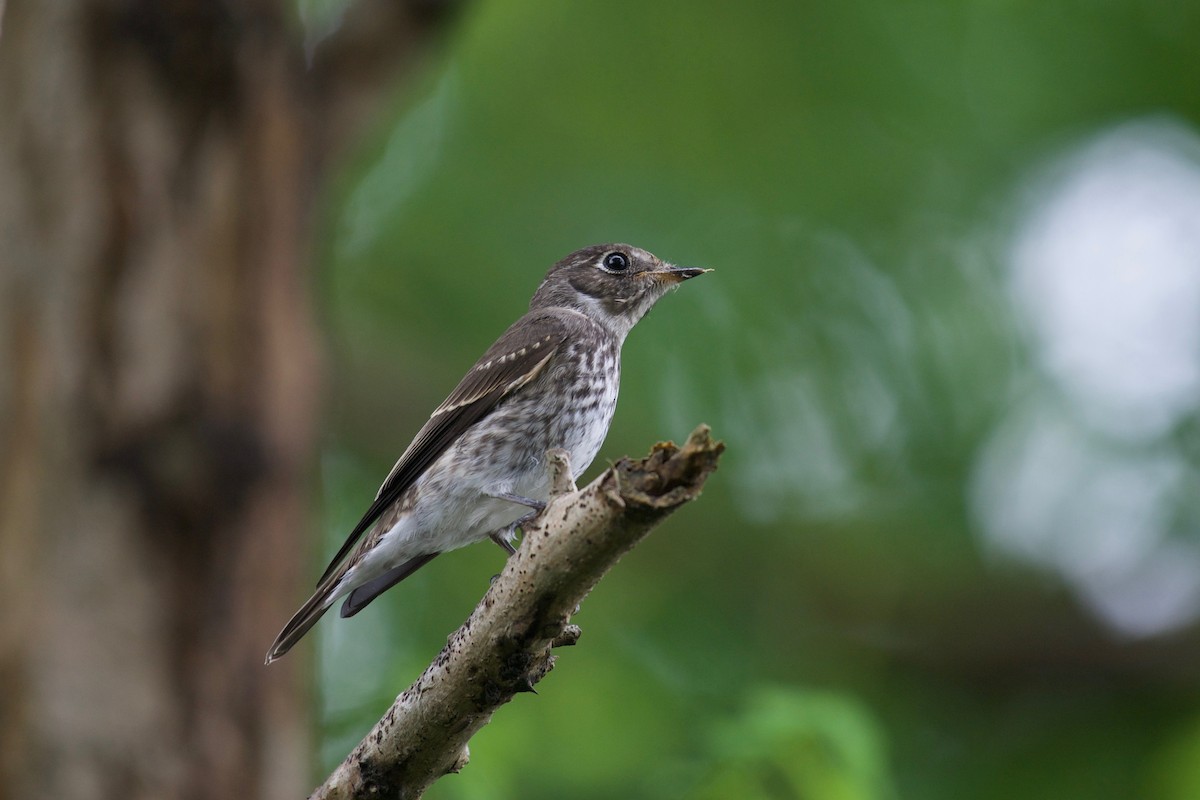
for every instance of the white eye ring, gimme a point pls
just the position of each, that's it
(615, 261)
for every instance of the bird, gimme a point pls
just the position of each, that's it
(476, 470)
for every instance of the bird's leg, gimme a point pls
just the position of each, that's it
(558, 466)
(521, 500)
(505, 535)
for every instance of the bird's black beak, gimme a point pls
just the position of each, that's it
(680, 274)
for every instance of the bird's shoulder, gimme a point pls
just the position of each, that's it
(518, 356)
(539, 328)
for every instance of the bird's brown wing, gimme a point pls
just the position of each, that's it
(515, 359)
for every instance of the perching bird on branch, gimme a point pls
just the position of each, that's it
(476, 469)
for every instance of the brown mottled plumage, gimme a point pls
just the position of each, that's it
(476, 467)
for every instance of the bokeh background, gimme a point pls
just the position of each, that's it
(952, 342)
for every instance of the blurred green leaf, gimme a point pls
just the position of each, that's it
(860, 176)
(789, 743)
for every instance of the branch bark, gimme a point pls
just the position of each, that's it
(504, 646)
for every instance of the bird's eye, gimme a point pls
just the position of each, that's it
(616, 262)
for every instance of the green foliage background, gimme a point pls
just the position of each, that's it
(829, 621)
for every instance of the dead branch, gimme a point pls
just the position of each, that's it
(504, 646)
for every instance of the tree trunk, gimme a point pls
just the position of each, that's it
(158, 388)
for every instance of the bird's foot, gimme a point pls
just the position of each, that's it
(502, 537)
(558, 466)
(505, 535)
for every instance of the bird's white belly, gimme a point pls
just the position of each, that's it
(455, 503)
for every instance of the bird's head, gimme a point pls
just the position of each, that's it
(614, 284)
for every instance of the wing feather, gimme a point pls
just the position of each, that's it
(515, 359)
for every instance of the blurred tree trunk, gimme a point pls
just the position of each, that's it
(159, 384)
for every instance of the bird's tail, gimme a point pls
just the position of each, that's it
(333, 587)
(303, 620)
